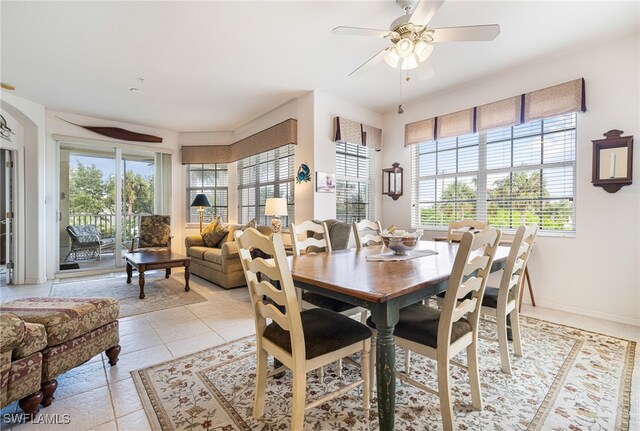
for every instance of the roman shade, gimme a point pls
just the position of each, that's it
(274, 137)
(372, 137)
(547, 102)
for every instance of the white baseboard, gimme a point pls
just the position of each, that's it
(589, 313)
(35, 280)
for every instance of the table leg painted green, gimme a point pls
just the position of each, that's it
(385, 317)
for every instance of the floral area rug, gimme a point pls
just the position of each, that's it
(567, 379)
(160, 292)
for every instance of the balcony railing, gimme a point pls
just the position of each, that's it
(106, 224)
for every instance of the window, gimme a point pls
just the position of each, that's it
(508, 176)
(266, 175)
(213, 181)
(354, 182)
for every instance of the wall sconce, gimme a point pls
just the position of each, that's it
(275, 207)
(612, 161)
(392, 181)
(200, 201)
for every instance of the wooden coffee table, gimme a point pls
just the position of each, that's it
(156, 259)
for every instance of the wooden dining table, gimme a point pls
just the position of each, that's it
(383, 288)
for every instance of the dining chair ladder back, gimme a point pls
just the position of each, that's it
(441, 335)
(301, 341)
(457, 228)
(502, 302)
(367, 232)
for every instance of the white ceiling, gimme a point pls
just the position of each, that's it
(213, 66)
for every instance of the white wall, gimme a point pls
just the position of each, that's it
(597, 273)
(31, 209)
(55, 126)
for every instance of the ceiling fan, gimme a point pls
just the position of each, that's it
(412, 41)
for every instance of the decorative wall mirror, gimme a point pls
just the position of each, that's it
(612, 161)
(392, 181)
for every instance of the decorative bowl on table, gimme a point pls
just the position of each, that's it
(401, 243)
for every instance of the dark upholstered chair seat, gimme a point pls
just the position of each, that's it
(419, 323)
(326, 302)
(324, 331)
(490, 298)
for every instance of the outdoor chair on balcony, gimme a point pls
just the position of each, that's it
(86, 242)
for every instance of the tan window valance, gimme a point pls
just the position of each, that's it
(547, 102)
(419, 131)
(455, 124)
(372, 137)
(556, 100)
(274, 137)
(348, 131)
(503, 113)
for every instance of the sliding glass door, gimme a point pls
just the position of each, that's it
(103, 193)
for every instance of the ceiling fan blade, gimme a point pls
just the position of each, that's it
(467, 33)
(424, 11)
(369, 63)
(360, 31)
(425, 71)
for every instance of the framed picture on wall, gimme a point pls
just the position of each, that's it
(325, 182)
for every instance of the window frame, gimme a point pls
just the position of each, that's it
(483, 198)
(256, 186)
(361, 153)
(212, 211)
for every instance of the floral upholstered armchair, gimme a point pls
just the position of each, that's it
(154, 232)
(87, 243)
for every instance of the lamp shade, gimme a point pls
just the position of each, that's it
(275, 207)
(200, 201)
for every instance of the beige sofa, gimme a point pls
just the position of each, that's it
(219, 265)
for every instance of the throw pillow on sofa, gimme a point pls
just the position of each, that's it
(214, 232)
(253, 223)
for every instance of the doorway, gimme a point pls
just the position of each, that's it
(103, 193)
(7, 216)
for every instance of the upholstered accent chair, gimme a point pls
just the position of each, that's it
(301, 340)
(502, 302)
(442, 334)
(154, 232)
(367, 232)
(87, 243)
(20, 362)
(457, 228)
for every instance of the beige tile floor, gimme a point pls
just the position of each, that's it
(100, 397)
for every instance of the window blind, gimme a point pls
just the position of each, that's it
(213, 181)
(354, 182)
(509, 176)
(266, 175)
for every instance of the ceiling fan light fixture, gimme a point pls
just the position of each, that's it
(392, 58)
(423, 50)
(404, 48)
(409, 62)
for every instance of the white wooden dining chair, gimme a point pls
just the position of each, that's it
(302, 341)
(442, 334)
(502, 301)
(367, 232)
(309, 300)
(457, 228)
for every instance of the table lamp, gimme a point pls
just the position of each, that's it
(275, 207)
(200, 201)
